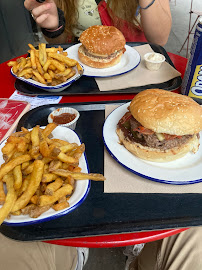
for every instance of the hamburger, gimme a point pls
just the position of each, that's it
(161, 126)
(102, 46)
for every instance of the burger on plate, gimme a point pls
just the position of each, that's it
(160, 125)
(102, 46)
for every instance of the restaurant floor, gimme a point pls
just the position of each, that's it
(113, 258)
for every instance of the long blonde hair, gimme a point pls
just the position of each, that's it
(124, 9)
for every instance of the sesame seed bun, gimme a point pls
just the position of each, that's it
(102, 46)
(167, 112)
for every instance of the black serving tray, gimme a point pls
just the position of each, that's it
(88, 85)
(100, 213)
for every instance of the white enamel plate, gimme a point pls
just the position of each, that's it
(80, 193)
(183, 171)
(129, 61)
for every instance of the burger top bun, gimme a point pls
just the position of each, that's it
(102, 40)
(167, 112)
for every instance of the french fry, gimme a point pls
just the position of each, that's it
(39, 77)
(42, 54)
(34, 183)
(31, 47)
(12, 164)
(2, 193)
(53, 186)
(79, 68)
(39, 67)
(60, 206)
(80, 176)
(38, 210)
(11, 63)
(8, 147)
(58, 65)
(33, 59)
(17, 173)
(10, 199)
(47, 199)
(64, 59)
(48, 129)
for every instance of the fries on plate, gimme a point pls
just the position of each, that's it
(48, 67)
(40, 172)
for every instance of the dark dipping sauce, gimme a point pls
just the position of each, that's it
(64, 118)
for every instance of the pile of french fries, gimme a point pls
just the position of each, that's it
(49, 66)
(39, 172)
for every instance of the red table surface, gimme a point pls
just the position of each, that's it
(115, 240)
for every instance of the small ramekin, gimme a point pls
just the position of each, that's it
(59, 111)
(152, 64)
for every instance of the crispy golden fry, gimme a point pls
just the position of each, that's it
(47, 200)
(60, 206)
(10, 199)
(25, 72)
(48, 129)
(54, 165)
(24, 165)
(31, 47)
(43, 146)
(38, 210)
(39, 67)
(24, 185)
(60, 66)
(34, 183)
(26, 210)
(2, 193)
(11, 63)
(53, 186)
(17, 173)
(22, 63)
(79, 68)
(35, 136)
(34, 199)
(12, 164)
(42, 54)
(68, 159)
(48, 177)
(64, 73)
(80, 176)
(64, 59)
(33, 59)
(28, 169)
(39, 77)
(8, 148)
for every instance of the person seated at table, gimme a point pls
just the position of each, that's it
(136, 19)
(177, 252)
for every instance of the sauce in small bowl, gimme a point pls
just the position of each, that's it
(66, 117)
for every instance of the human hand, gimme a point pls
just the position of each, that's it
(45, 14)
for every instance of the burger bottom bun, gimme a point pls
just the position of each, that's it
(156, 155)
(96, 62)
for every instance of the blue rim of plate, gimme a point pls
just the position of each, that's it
(50, 88)
(57, 215)
(162, 181)
(117, 74)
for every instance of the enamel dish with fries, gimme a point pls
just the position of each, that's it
(42, 177)
(49, 69)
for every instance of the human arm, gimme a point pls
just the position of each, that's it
(156, 20)
(46, 16)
